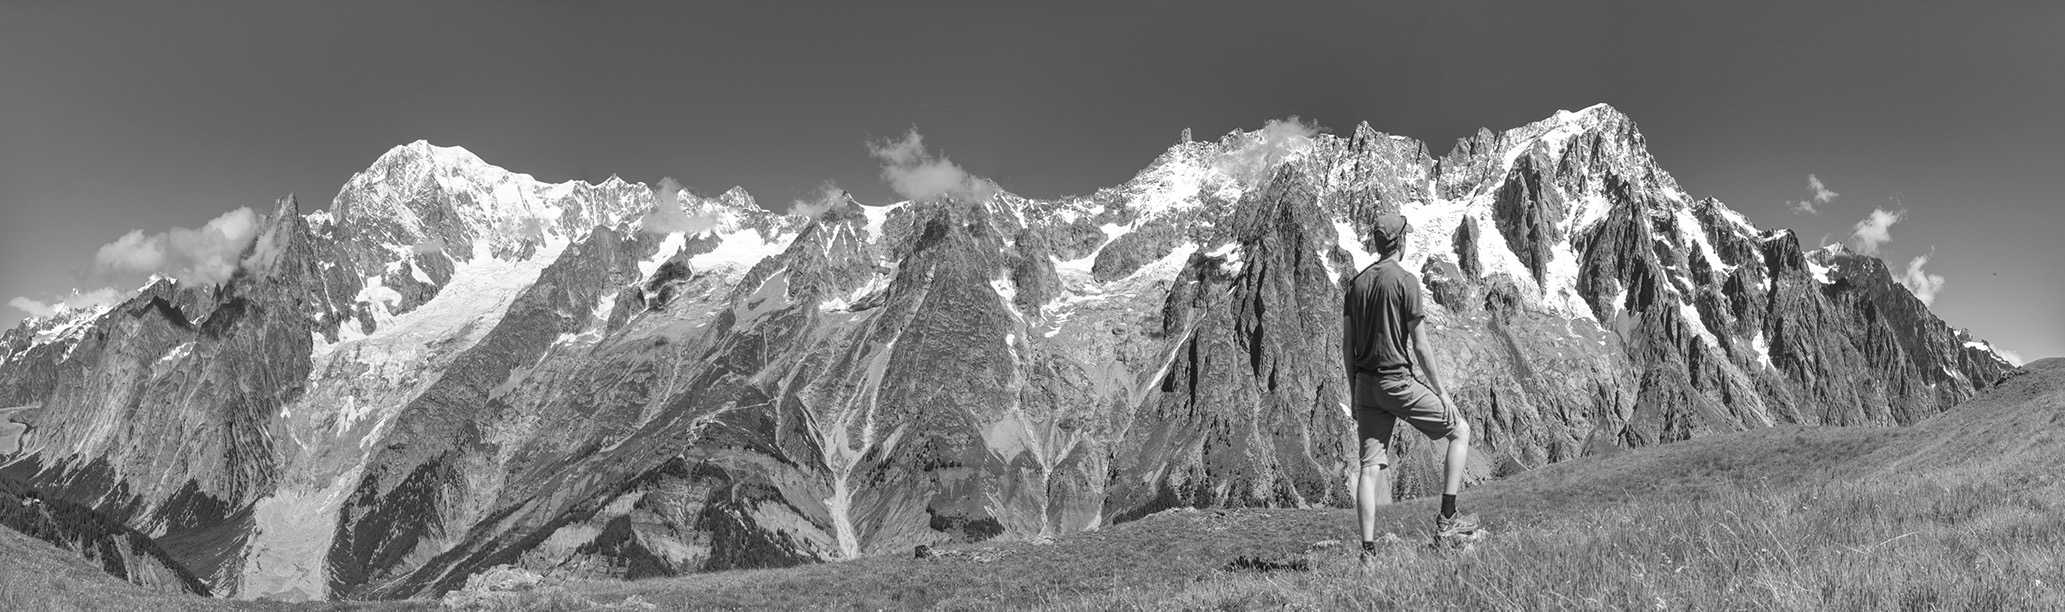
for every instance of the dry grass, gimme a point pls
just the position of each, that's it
(37, 576)
(1915, 546)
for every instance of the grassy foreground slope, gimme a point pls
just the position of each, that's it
(1965, 511)
(35, 575)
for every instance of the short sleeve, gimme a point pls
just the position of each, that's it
(1410, 306)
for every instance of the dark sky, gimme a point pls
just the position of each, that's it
(121, 116)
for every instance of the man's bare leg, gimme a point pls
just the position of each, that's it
(1453, 522)
(1368, 485)
(1458, 456)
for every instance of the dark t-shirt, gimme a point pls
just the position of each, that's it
(1379, 311)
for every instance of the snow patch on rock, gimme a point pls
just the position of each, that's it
(1819, 272)
(1433, 231)
(1588, 210)
(1346, 236)
(1694, 234)
(669, 246)
(878, 217)
(1763, 348)
(1698, 325)
(1230, 253)
(738, 251)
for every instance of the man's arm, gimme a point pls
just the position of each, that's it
(1347, 399)
(1425, 359)
(1347, 353)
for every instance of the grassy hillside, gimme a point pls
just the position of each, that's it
(35, 575)
(1960, 512)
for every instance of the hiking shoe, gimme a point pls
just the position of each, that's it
(1458, 525)
(1459, 532)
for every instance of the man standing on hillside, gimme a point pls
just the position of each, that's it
(1380, 321)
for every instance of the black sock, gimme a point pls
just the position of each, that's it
(1448, 505)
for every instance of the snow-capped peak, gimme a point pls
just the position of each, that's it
(419, 193)
(736, 197)
(1739, 224)
(726, 213)
(1552, 132)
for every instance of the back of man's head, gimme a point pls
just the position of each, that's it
(1388, 236)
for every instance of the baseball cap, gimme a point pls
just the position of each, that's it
(1390, 230)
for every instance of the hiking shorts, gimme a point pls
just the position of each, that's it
(1382, 401)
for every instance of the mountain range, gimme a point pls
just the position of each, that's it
(454, 366)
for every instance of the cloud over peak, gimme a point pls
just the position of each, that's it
(104, 296)
(1261, 150)
(207, 255)
(829, 196)
(33, 307)
(668, 216)
(1818, 194)
(1874, 229)
(1920, 282)
(915, 174)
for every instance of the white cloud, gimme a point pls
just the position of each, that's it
(2013, 358)
(1819, 194)
(33, 307)
(829, 196)
(1875, 229)
(133, 251)
(669, 216)
(1261, 150)
(265, 251)
(203, 256)
(917, 175)
(1920, 282)
(104, 296)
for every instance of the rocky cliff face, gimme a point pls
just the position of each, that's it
(455, 366)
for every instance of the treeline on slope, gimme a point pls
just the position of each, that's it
(120, 551)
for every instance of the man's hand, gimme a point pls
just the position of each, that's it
(1439, 393)
(1424, 358)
